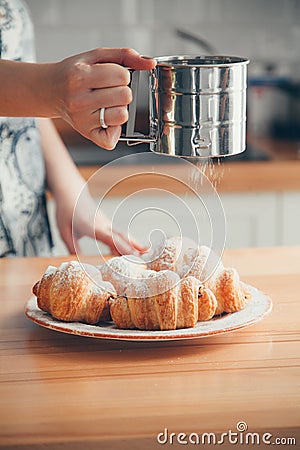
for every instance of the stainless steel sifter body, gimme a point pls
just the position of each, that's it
(197, 106)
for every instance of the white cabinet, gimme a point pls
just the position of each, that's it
(252, 220)
(290, 214)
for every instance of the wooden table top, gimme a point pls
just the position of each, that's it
(59, 391)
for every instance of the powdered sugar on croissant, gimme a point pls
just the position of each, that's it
(165, 256)
(222, 290)
(183, 256)
(73, 292)
(121, 271)
(200, 262)
(159, 302)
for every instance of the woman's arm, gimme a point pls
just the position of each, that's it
(66, 183)
(74, 89)
(25, 89)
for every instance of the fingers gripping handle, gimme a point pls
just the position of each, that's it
(132, 137)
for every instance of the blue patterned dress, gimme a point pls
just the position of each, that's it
(24, 226)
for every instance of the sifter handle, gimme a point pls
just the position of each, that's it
(130, 136)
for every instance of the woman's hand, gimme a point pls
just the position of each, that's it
(85, 83)
(87, 220)
(74, 89)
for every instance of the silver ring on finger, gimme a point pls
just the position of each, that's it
(102, 120)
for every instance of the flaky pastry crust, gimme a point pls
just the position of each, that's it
(161, 302)
(230, 292)
(74, 292)
(207, 304)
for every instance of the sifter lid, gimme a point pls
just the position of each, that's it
(199, 61)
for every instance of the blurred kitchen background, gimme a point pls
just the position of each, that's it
(265, 31)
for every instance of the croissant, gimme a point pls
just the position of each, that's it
(121, 271)
(207, 304)
(74, 292)
(231, 293)
(188, 302)
(157, 302)
(177, 254)
(221, 289)
(166, 255)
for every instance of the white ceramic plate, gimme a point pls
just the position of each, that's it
(258, 307)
